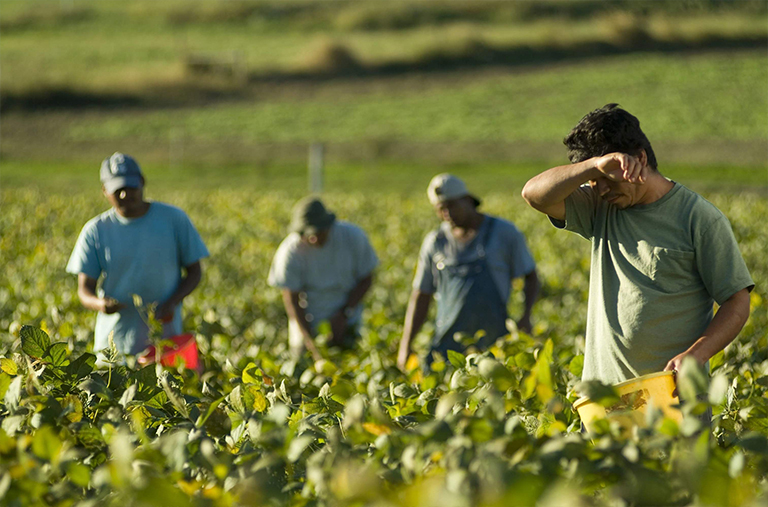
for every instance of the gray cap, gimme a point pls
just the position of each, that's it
(120, 171)
(310, 216)
(445, 187)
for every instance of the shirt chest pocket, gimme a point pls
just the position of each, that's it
(673, 270)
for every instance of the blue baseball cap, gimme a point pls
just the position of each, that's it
(120, 171)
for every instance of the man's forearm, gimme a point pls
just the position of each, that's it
(359, 291)
(723, 329)
(86, 292)
(296, 313)
(90, 300)
(530, 292)
(555, 185)
(418, 308)
(188, 283)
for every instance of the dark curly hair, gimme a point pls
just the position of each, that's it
(606, 130)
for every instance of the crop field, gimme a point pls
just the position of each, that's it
(256, 428)
(219, 102)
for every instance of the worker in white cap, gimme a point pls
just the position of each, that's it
(467, 264)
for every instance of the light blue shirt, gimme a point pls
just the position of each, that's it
(141, 256)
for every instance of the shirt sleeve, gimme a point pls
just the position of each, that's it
(580, 211)
(365, 256)
(191, 246)
(285, 272)
(517, 254)
(84, 258)
(719, 261)
(424, 280)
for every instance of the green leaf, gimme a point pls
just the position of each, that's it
(540, 379)
(82, 366)
(34, 341)
(13, 424)
(598, 392)
(176, 400)
(254, 398)
(524, 360)
(79, 474)
(90, 437)
(576, 366)
(13, 394)
(252, 374)
(147, 376)
(457, 359)
(691, 380)
(95, 386)
(297, 447)
(718, 388)
(716, 361)
(8, 365)
(5, 382)
(754, 442)
(46, 444)
(209, 411)
(736, 465)
(57, 354)
(235, 399)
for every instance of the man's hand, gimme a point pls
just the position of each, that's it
(676, 362)
(524, 324)
(402, 355)
(110, 305)
(165, 311)
(338, 328)
(622, 167)
(316, 355)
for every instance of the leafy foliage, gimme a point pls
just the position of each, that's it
(257, 428)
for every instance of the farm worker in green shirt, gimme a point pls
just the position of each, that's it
(661, 254)
(467, 264)
(140, 247)
(323, 267)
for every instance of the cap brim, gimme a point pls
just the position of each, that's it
(115, 184)
(304, 228)
(435, 202)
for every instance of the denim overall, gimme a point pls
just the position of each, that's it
(468, 299)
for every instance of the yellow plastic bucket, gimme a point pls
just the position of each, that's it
(638, 395)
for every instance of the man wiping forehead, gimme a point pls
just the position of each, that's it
(661, 254)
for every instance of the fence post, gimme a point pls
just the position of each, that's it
(315, 171)
(176, 147)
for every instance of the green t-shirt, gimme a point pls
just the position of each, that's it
(657, 270)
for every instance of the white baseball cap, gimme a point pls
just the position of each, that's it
(445, 187)
(120, 171)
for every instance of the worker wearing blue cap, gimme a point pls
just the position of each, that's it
(138, 247)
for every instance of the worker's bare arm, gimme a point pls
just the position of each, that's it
(297, 313)
(547, 191)
(86, 291)
(189, 282)
(723, 329)
(418, 307)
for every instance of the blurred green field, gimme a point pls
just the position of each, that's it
(672, 96)
(135, 45)
(703, 112)
(224, 93)
(219, 101)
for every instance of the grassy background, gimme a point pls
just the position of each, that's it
(395, 90)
